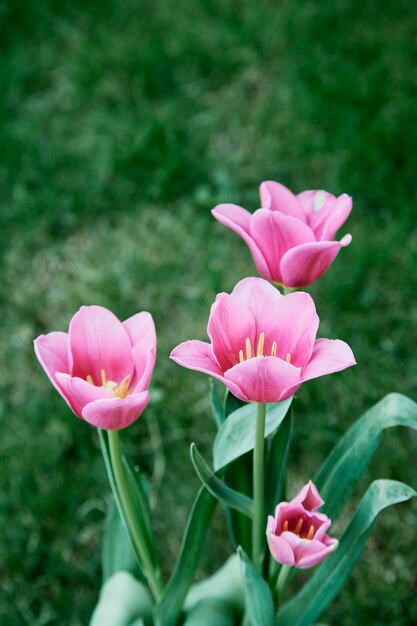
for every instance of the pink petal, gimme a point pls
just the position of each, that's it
(198, 355)
(276, 197)
(262, 379)
(309, 553)
(317, 205)
(78, 392)
(305, 263)
(275, 233)
(143, 354)
(337, 217)
(99, 341)
(280, 549)
(308, 497)
(52, 351)
(140, 326)
(116, 413)
(329, 355)
(239, 220)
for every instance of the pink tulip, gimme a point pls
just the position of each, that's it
(263, 344)
(101, 367)
(291, 237)
(297, 534)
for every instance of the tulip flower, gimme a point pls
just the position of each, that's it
(297, 533)
(291, 237)
(263, 344)
(101, 367)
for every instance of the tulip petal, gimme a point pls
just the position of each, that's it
(309, 553)
(143, 354)
(308, 497)
(329, 356)
(337, 217)
(198, 355)
(276, 197)
(78, 392)
(116, 413)
(303, 264)
(99, 341)
(275, 233)
(140, 326)
(52, 351)
(280, 550)
(238, 219)
(262, 379)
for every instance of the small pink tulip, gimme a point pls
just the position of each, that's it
(263, 344)
(297, 534)
(101, 367)
(291, 237)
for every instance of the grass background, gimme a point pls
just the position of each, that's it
(123, 124)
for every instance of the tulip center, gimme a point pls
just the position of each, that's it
(301, 527)
(118, 390)
(248, 353)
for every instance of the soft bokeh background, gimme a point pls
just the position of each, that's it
(122, 125)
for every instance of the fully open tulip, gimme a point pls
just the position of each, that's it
(292, 236)
(102, 367)
(263, 344)
(297, 534)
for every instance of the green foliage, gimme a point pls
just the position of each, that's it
(117, 552)
(258, 597)
(122, 601)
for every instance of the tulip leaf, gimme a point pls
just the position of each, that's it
(231, 404)
(117, 551)
(328, 579)
(258, 596)
(277, 462)
(237, 435)
(210, 611)
(169, 610)
(123, 600)
(348, 460)
(216, 404)
(227, 496)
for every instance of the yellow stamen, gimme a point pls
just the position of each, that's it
(89, 379)
(288, 358)
(261, 341)
(121, 390)
(285, 526)
(241, 357)
(310, 532)
(274, 349)
(103, 378)
(248, 348)
(299, 526)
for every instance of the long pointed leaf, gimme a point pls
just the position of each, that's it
(223, 493)
(216, 405)
(259, 602)
(305, 608)
(169, 610)
(117, 550)
(346, 463)
(237, 435)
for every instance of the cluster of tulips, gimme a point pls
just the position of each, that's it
(262, 347)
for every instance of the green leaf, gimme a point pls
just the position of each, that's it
(210, 612)
(277, 462)
(346, 463)
(238, 476)
(223, 493)
(216, 404)
(169, 610)
(259, 602)
(117, 549)
(231, 404)
(122, 600)
(237, 435)
(328, 579)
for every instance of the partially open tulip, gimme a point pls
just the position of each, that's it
(297, 534)
(263, 344)
(102, 367)
(291, 237)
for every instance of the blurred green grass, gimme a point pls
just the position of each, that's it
(122, 125)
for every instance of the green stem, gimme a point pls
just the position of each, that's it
(258, 526)
(133, 527)
(282, 579)
(288, 290)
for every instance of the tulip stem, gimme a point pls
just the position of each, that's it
(282, 579)
(130, 518)
(258, 525)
